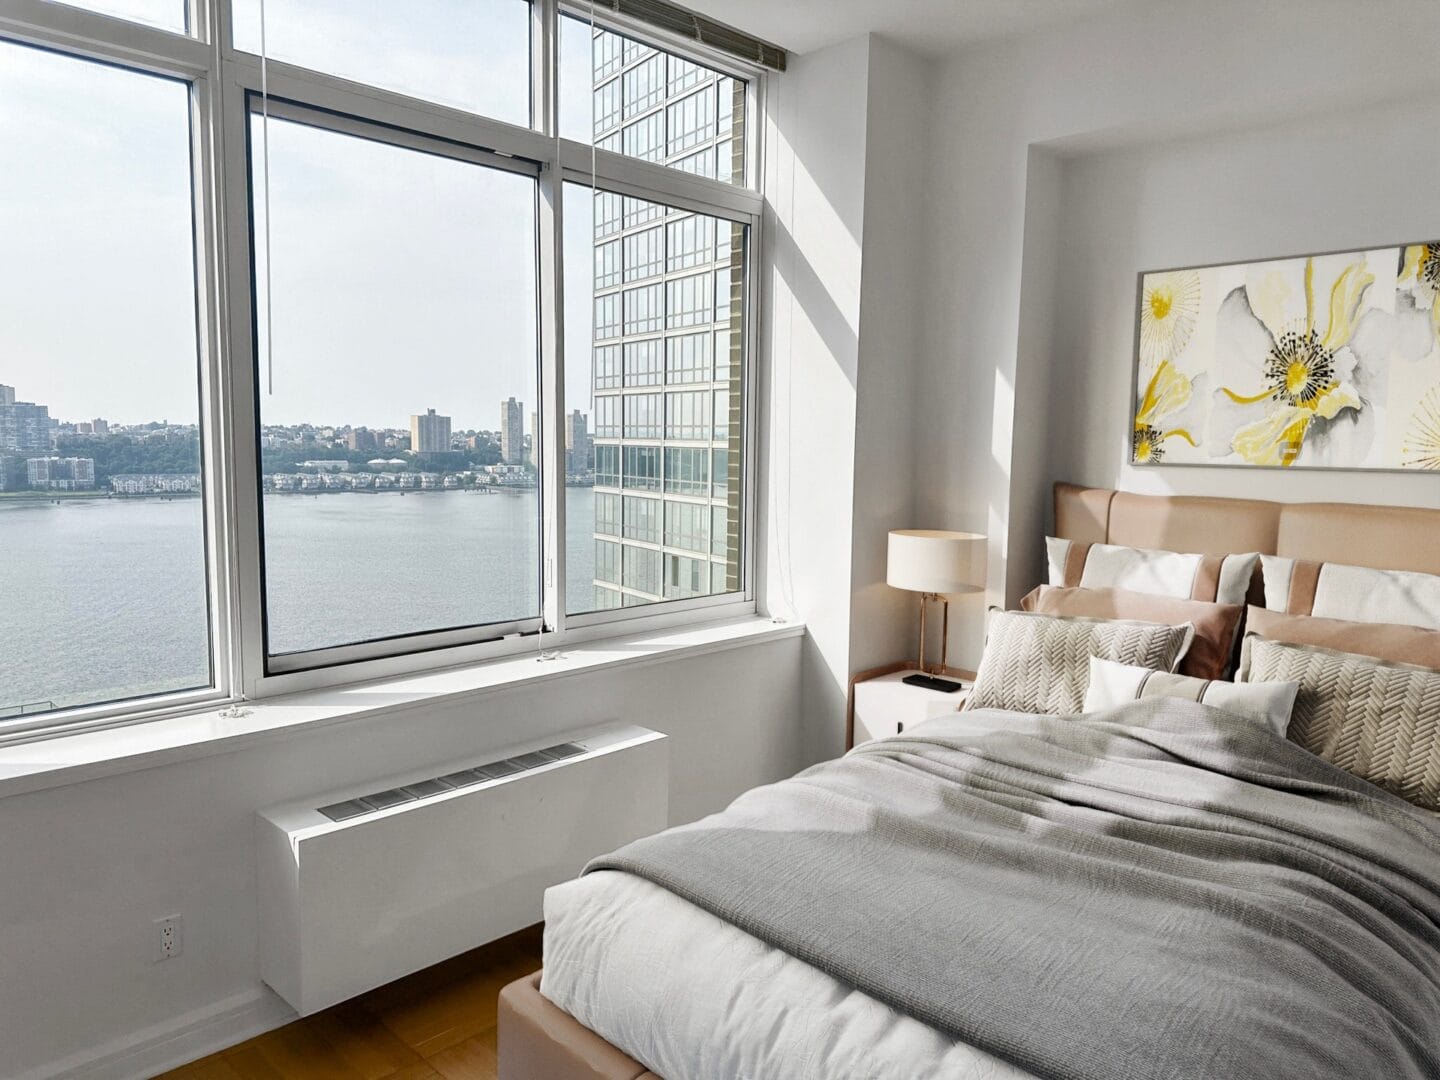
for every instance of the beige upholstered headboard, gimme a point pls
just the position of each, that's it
(1384, 537)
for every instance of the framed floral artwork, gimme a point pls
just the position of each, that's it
(1321, 362)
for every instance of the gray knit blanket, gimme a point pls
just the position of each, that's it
(1156, 891)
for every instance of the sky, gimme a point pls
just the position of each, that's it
(398, 281)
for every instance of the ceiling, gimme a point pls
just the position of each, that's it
(933, 27)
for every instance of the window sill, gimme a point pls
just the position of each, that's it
(71, 759)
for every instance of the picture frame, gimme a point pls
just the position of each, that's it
(1328, 360)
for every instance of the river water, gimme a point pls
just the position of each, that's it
(102, 599)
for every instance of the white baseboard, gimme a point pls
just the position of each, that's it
(152, 1050)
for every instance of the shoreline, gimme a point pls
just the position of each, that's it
(23, 497)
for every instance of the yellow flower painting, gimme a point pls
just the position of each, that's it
(1326, 361)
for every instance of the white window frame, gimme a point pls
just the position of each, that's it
(222, 82)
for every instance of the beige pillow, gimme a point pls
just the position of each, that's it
(1265, 704)
(1383, 641)
(1222, 579)
(1041, 663)
(1377, 720)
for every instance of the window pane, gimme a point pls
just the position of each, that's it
(644, 309)
(642, 519)
(642, 363)
(663, 423)
(643, 102)
(687, 359)
(401, 282)
(643, 256)
(607, 466)
(607, 416)
(607, 515)
(468, 54)
(166, 14)
(103, 591)
(642, 416)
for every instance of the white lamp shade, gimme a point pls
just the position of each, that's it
(936, 561)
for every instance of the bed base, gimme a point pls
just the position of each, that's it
(538, 1040)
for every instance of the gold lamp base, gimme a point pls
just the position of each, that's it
(927, 678)
(926, 672)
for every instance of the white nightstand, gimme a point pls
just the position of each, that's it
(881, 704)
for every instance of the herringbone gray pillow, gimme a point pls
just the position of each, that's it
(1041, 663)
(1378, 720)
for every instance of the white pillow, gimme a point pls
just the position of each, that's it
(1221, 579)
(1353, 593)
(1267, 704)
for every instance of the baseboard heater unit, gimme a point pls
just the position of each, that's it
(360, 887)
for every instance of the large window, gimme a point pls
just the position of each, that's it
(295, 387)
(103, 578)
(376, 300)
(644, 102)
(473, 55)
(669, 442)
(166, 14)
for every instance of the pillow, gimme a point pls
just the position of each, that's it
(1267, 704)
(1221, 579)
(1217, 626)
(1377, 720)
(1383, 641)
(1355, 593)
(1041, 663)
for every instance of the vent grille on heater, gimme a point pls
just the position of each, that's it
(421, 789)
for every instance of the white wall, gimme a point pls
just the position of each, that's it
(841, 228)
(1325, 183)
(84, 869)
(881, 618)
(1004, 118)
(814, 224)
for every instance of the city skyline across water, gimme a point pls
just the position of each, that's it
(98, 424)
(43, 454)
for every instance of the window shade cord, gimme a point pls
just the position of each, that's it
(265, 185)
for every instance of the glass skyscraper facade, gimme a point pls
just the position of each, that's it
(668, 350)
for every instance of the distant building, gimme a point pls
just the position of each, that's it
(361, 439)
(508, 475)
(327, 465)
(60, 474)
(577, 443)
(667, 460)
(512, 432)
(84, 427)
(24, 426)
(7, 394)
(156, 484)
(430, 434)
(100, 427)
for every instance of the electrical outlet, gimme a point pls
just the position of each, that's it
(169, 937)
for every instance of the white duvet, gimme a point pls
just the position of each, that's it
(694, 998)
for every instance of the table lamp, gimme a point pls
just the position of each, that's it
(936, 564)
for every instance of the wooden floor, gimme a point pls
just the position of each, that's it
(439, 1022)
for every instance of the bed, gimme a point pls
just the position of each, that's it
(1289, 868)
